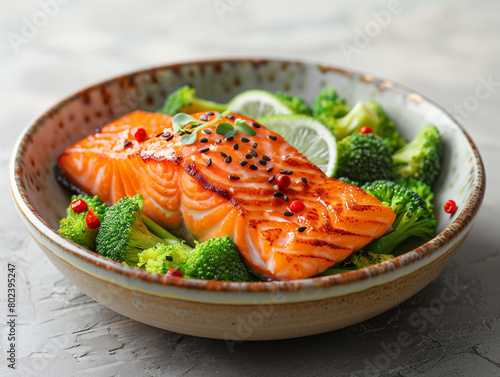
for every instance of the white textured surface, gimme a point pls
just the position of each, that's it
(442, 51)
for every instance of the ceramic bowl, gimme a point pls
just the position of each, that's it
(240, 311)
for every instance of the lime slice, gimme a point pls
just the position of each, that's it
(308, 136)
(256, 104)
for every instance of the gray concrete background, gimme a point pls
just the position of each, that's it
(440, 49)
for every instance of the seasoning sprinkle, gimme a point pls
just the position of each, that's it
(277, 194)
(230, 116)
(287, 172)
(286, 198)
(234, 177)
(219, 141)
(301, 229)
(208, 163)
(169, 137)
(303, 179)
(160, 134)
(245, 140)
(223, 154)
(272, 137)
(207, 131)
(127, 143)
(166, 134)
(253, 153)
(230, 138)
(203, 140)
(203, 150)
(288, 214)
(228, 159)
(243, 163)
(271, 178)
(236, 147)
(254, 145)
(266, 158)
(262, 162)
(169, 258)
(248, 156)
(253, 167)
(203, 118)
(256, 125)
(269, 169)
(210, 113)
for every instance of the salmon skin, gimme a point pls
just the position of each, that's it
(217, 187)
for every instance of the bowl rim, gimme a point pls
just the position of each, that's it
(30, 214)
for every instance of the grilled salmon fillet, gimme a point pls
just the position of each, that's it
(217, 187)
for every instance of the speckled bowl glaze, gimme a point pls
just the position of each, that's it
(240, 311)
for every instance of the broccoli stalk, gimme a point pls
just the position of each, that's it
(125, 232)
(363, 158)
(413, 218)
(74, 226)
(421, 157)
(184, 100)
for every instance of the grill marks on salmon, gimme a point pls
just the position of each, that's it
(199, 202)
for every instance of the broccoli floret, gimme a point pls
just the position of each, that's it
(413, 219)
(74, 226)
(363, 158)
(421, 157)
(328, 106)
(357, 260)
(161, 258)
(184, 100)
(386, 128)
(125, 231)
(294, 103)
(421, 188)
(216, 259)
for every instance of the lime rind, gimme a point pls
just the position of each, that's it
(309, 136)
(256, 104)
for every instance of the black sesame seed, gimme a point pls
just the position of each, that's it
(203, 118)
(286, 172)
(207, 131)
(234, 177)
(160, 134)
(223, 154)
(203, 150)
(272, 137)
(283, 171)
(253, 167)
(236, 147)
(204, 140)
(169, 258)
(266, 158)
(97, 131)
(127, 143)
(166, 134)
(301, 229)
(169, 137)
(270, 169)
(277, 194)
(304, 179)
(254, 145)
(256, 125)
(271, 178)
(210, 113)
(208, 163)
(288, 214)
(230, 138)
(262, 162)
(245, 140)
(243, 163)
(230, 116)
(253, 153)
(286, 198)
(219, 141)
(248, 156)
(228, 159)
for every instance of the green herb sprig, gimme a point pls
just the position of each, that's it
(188, 127)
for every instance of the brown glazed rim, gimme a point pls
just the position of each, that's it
(447, 235)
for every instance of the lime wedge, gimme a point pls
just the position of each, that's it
(256, 104)
(308, 136)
